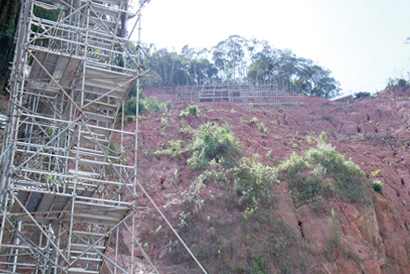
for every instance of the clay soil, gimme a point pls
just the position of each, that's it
(373, 132)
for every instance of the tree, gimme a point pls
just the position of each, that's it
(8, 25)
(230, 58)
(238, 60)
(265, 62)
(316, 81)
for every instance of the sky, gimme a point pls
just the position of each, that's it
(360, 41)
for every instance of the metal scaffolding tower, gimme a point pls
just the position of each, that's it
(67, 188)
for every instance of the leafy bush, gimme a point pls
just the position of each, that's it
(378, 186)
(267, 156)
(190, 110)
(362, 94)
(292, 167)
(262, 128)
(350, 179)
(252, 182)
(193, 110)
(397, 82)
(320, 161)
(254, 121)
(211, 142)
(150, 104)
(173, 151)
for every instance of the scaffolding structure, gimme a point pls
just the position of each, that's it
(276, 93)
(68, 173)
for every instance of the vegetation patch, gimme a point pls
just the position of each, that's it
(252, 183)
(150, 104)
(173, 150)
(308, 175)
(190, 110)
(212, 141)
(235, 203)
(378, 186)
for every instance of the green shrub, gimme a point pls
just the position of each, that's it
(130, 118)
(351, 180)
(190, 110)
(211, 142)
(334, 244)
(322, 137)
(173, 151)
(262, 128)
(164, 122)
(397, 82)
(267, 156)
(376, 172)
(253, 182)
(254, 121)
(292, 170)
(193, 110)
(324, 161)
(325, 155)
(362, 94)
(183, 114)
(150, 104)
(378, 186)
(292, 167)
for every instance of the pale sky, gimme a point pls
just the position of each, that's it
(360, 41)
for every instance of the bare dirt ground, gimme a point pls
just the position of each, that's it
(373, 132)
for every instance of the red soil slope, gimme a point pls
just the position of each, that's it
(373, 132)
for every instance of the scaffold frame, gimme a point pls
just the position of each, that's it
(244, 94)
(68, 168)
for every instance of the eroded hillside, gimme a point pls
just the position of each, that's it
(286, 189)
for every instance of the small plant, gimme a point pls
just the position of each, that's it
(183, 114)
(186, 129)
(376, 172)
(190, 110)
(254, 121)
(193, 110)
(174, 150)
(334, 243)
(164, 122)
(323, 137)
(130, 118)
(351, 180)
(310, 139)
(378, 186)
(250, 108)
(262, 128)
(267, 156)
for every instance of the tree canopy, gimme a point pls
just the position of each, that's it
(8, 24)
(238, 60)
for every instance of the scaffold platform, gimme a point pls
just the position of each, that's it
(66, 188)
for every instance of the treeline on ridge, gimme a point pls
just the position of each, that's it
(238, 60)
